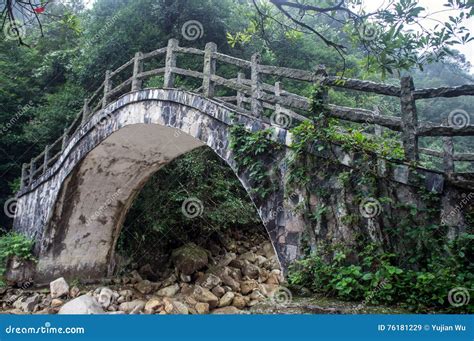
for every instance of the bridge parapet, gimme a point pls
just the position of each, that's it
(253, 97)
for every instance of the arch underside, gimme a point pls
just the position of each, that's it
(76, 214)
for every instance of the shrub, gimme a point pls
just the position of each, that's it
(377, 279)
(14, 244)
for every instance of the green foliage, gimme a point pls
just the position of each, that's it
(252, 152)
(14, 244)
(376, 278)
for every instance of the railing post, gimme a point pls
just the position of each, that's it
(209, 69)
(46, 158)
(277, 92)
(240, 95)
(137, 69)
(378, 131)
(409, 119)
(85, 110)
(65, 137)
(170, 63)
(107, 88)
(23, 176)
(448, 155)
(256, 104)
(32, 169)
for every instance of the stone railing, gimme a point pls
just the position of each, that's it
(253, 96)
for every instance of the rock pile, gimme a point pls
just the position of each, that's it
(222, 279)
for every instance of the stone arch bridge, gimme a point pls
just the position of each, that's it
(74, 196)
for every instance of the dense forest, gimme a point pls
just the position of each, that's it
(45, 77)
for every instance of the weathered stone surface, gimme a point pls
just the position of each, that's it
(209, 281)
(152, 305)
(145, 286)
(132, 307)
(84, 304)
(202, 308)
(204, 295)
(105, 297)
(169, 291)
(226, 299)
(247, 286)
(218, 291)
(58, 288)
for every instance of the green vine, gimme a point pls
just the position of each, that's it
(13, 244)
(252, 152)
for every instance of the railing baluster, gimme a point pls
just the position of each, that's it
(23, 176)
(240, 95)
(46, 158)
(409, 119)
(448, 154)
(209, 70)
(32, 170)
(107, 88)
(378, 131)
(256, 103)
(64, 141)
(85, 110)
(277, 92)
(170, 63)
(137, 69)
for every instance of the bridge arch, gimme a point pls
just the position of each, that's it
(76, 209)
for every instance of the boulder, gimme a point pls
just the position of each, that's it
(59, 288)
(19, 271)
(169, 291)
(152, 305)
(226, 299)
(248, 256)
(74, 292)
(229, 257)
(226, 311)
(224, 274)
(145, 287)
(105, 297)
(56, 302)
(204, 295)
(202, 308)
(247, 286)
(240, 301)
(27, 304)
(260, 260)
(267, 250)
(84, 304)
(169, 281)
(189, 258)
(132, 307)
(179, 308)
(218, 291)
(250, 270)
(209, 281)
(126, 294)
